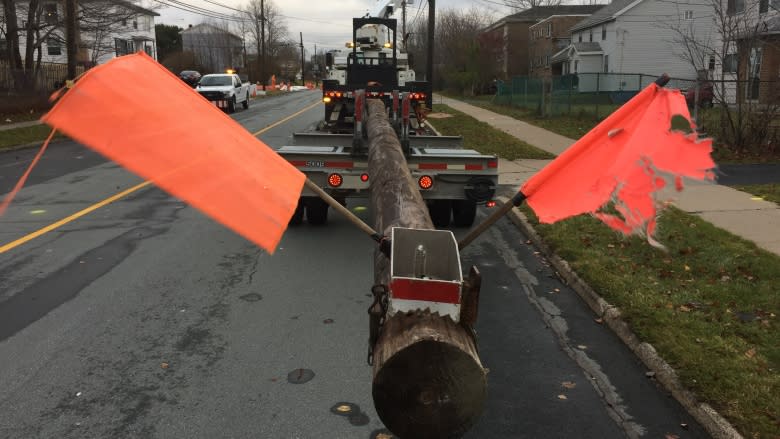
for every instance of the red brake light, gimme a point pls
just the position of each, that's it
(335, 180)
(425, 182)
(490, 203)
(364, 177)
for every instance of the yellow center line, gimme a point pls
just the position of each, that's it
(13, 244)
(287, 118)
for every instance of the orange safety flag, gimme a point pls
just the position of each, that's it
(626, 159)
(138, 114)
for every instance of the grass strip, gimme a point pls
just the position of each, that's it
(25, 135)
(709, 306)
(484, 138)
(769, 192)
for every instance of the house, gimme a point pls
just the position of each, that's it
(752, 60)
(549, 36)
(107, 29)
(215, 49)
(634, 37)
(508, 38)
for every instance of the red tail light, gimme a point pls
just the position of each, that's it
(335, 180)
(490, 203)
(425, 182)
(364, 177)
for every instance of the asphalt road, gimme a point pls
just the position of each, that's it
(145, 319)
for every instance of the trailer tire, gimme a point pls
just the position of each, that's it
(316, 211)
(245, 104)
(441, 212)
(463, 212)
(232, 105)
(297, 216)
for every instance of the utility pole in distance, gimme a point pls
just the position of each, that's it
(262, 43)
(303, 62)
(403, 24)
(71, 36)
(431, 33)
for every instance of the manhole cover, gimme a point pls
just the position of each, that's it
(300, 376)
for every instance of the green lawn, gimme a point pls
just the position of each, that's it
(22, 136)
(769, 192)
(482, 137)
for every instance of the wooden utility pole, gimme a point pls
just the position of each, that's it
(428, 380)
(262, 43)
(403, 24)
(71, 36)
(431, 37)
(303, 63)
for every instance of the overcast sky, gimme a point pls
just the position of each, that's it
(328, 24)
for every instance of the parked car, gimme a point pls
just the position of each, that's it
(191, 77)
(706, 94)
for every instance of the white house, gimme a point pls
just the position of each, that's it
(633, 37)
(114, 28)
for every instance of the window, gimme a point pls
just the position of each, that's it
(50, 13)
(591, 35)
(688, 15)
(754, 76)
(579, 35)
(730, 63)
(547, 61)
(576, 66)
(123, 47)
(549, 29)
(606, 63)
(603, 32)
(124, 22)
(135, 24)
(53, 46)
(735, 6)
(711, 64)
(763, 6)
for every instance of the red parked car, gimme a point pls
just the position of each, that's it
(706, 94)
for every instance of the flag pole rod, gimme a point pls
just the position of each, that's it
(489, 221)
(344, 211)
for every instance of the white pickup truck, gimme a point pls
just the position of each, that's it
(226, 90)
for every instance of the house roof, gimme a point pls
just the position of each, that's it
(129, 5)
(587, 47)
(606, 13)
(537, 13)
(208, 29)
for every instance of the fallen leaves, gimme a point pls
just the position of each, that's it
(164, 365)
(563, 397)
(750, 353)
(569, 384)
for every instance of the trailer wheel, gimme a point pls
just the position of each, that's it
(232, 105)
(316, 211)
(441, 212)
(245, 104)
(297, 216)
(464, 212)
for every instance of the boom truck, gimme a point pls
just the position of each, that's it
(452, 180)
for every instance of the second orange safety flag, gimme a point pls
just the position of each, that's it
(138, 114)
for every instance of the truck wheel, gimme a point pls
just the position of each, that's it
(245, 104)
(441, 212)
(232, 105)
(316, 211)
(463, 212)
(297, 216)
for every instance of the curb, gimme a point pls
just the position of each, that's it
(717, 426)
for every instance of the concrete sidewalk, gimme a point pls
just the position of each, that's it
(737, 212)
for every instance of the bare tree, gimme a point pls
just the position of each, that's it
(729, 53)
(100, 20)
(459, 62)
(264, 19)
(521, 5)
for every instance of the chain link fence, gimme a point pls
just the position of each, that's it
(599, 94)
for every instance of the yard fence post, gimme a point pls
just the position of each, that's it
(598, 84)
